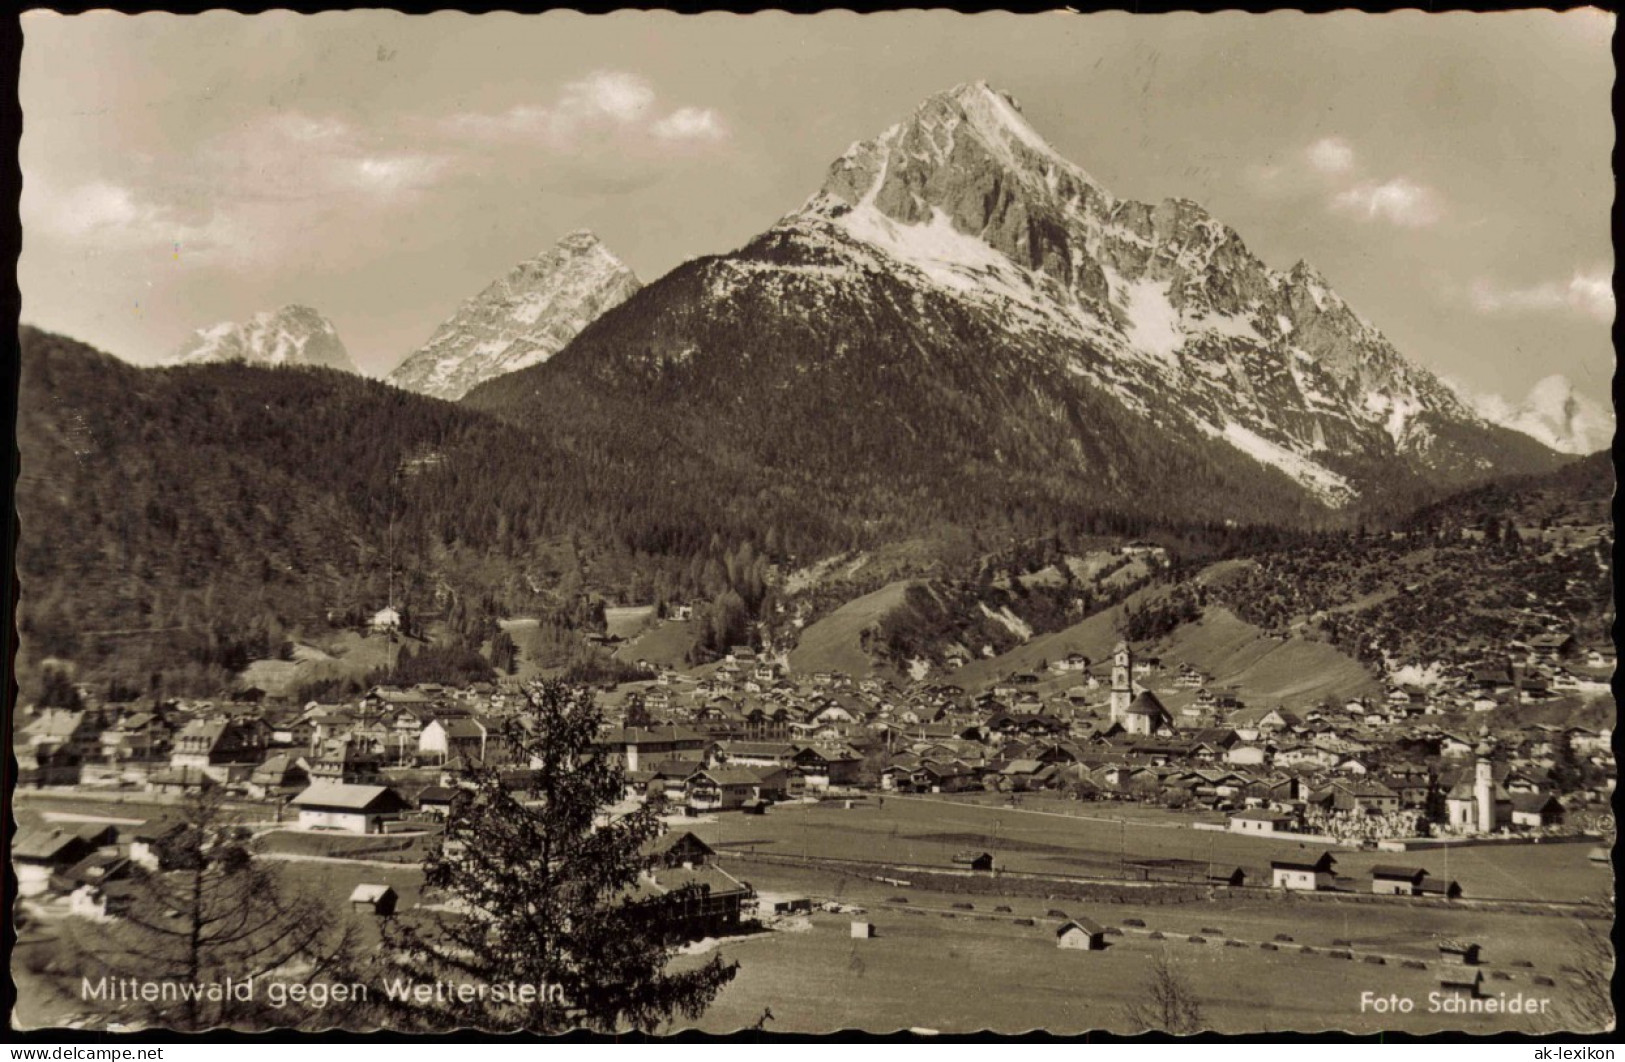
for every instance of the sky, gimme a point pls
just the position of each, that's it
(1448, 174)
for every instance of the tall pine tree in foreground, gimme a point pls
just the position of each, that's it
(539, 885)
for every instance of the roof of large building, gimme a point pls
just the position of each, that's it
(1146, 703)
(730, 775)
(370, 893)
(640, 735)
(49, 843)
(1394, 870)
(1535, 802)
(711, 880)
(343, 796)
(1324, 862)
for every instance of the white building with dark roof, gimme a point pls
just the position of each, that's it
(348, 808)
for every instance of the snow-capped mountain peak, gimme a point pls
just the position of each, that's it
(967, 196)
(1555, 414)
(293, 335)
(522, 319)
(958, 304)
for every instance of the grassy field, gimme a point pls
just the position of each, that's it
(345, 654)
(1239, 657)
(1094, 839)
(978, 971)
(624, 621)
(1266, 670)
(831, 644)
(132, 813)
(386, 848)
(669, 643)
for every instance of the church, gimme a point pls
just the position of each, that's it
(1139, 713)
(1482, 805)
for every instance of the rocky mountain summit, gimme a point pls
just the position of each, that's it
(522, 319)
(293, 335)
(1155, 299)
(959, 301)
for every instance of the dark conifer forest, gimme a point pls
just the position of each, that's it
(178, 523)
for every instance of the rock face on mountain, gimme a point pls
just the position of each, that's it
(1276, 364)
(520, 320)
(1555, 414)
(293, 335)
(959, 293)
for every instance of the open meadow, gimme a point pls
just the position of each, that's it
(954, 971)
(1096, 839)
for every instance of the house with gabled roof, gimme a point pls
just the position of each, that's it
(215, 744)
(348, 808)
(632, 744)
(1534, 811)
(1302, 874)
(39, 852)
(1081, 934)
(721, 788)
(281, 773)
(1390, 879)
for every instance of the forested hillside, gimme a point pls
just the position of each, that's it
(178, 523)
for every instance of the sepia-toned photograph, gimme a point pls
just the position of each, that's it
(1081, 523)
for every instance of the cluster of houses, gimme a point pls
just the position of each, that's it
(745, 733)
(257, 746)
(1531, 670)
(93, 874)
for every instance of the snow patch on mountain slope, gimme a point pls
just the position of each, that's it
(1332, 489)
(945, 255)
(1397, 412)
(1153, 324)
(1010, 621)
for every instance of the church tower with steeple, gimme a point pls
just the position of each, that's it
(1122, 681)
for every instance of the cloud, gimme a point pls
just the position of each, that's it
(289, 156)
(607, 107)
(690, 123)
(1330, 169)
(620, 96)
(1330, 154)
(1588, 293)
(1553, 412)
(84, 210)
(392, 174)
(1399, 201)
(103, 217)
(239, 198)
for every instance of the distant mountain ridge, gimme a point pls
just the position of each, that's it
(520, 320)
(1554, 413)
(293, 335)
(959, 306)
